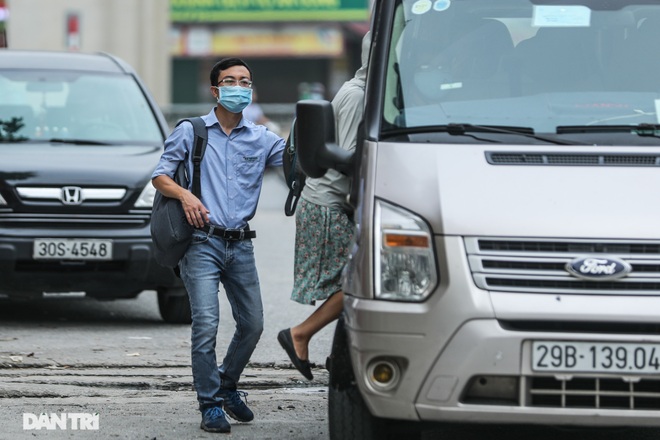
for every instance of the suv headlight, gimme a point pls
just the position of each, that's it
(406, 270)
(146, 199)
(2, 200)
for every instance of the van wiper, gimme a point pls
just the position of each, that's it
(470, 129)
(647, 130)
(77, 141)
(466, 129)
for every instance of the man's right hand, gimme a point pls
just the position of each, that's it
(196, 213)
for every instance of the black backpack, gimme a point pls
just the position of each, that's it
(293, 174)
(170, 231)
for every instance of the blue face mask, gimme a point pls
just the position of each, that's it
(234, 98)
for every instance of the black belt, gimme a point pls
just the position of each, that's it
(229, 234)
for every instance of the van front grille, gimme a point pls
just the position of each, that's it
(577, 159)
(628, 328)
(539, 266)
(568, 246)
(593, 393)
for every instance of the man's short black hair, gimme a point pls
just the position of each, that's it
(225, 64)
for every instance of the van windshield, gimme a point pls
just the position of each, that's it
(551, 66)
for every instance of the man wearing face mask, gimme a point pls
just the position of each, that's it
(232, 171)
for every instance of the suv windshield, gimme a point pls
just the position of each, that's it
(79, 107)
(526, 66)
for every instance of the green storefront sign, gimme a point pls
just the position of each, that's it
(201, 11)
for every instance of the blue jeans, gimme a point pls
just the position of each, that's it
(209, 261)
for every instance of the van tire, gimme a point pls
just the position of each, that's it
(348, 415)
(174, 305)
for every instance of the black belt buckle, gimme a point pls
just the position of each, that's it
(230, 234)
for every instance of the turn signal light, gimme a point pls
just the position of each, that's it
(406, 240)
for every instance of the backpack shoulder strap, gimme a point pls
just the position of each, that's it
(201, 139)
(295, 176)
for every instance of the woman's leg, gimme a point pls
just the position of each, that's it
(324, 315)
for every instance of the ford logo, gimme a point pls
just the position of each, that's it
(598, 268)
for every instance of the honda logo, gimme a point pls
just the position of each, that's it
(71, 195)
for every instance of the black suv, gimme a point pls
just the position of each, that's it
(80, 135)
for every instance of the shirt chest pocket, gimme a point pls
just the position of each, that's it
(249, 170)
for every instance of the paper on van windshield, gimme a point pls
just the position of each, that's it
(561, 16)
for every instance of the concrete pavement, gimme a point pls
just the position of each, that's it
(154, 403)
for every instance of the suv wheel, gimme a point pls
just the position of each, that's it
(174, 305)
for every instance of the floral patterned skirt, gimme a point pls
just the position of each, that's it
(323, 239)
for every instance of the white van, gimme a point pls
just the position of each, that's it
(506, 265)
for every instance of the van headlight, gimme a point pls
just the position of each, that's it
(2, 200)
(146, 199)
(406, 270)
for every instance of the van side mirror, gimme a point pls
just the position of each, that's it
(315, 139)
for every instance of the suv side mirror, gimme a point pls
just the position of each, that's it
(315, 137)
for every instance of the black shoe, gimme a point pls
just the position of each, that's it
(286, 341)
(214, 420)
(234, 406)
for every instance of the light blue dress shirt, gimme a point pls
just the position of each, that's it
(232, 168)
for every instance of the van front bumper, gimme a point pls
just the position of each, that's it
(440, 377)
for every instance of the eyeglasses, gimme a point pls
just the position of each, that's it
(233, 82)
